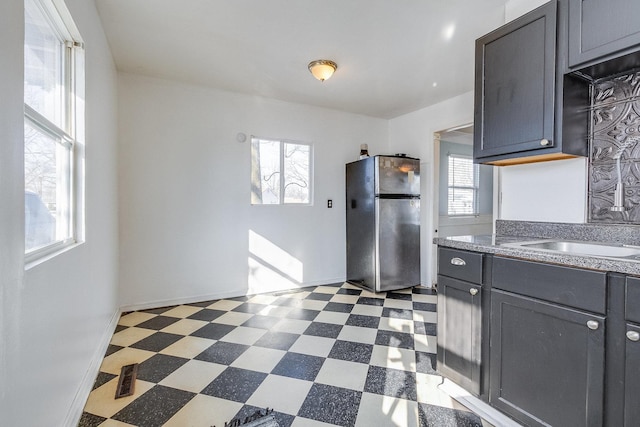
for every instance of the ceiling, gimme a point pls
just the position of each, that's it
(463, 135)
(393, 56)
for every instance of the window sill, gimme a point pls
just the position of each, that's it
(283, 204)
(45, 254)
(458, 220)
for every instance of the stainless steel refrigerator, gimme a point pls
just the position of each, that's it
(383, 222)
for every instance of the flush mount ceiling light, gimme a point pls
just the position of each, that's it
(322, 69)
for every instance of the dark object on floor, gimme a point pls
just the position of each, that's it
(257, 419)
(127, 380)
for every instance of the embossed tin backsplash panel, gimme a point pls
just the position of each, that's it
(614, 156)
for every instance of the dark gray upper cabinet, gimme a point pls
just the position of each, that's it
(602, 29)
(515, 83)
(524, 105)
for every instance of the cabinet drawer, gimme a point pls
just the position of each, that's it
(572, 287)
(461, 265)
(632, 300)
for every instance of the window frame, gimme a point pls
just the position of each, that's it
(69, 133)
(474, 188)
(282, 184)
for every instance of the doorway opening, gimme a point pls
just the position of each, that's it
(464, 191)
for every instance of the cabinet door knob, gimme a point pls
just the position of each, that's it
(458, 261)
(593, 325)
(545, 142)
(633, 336)
(473, 291)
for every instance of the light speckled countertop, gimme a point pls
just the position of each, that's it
(519, 231)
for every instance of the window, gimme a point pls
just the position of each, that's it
(280, 172)
(52, 77)
(463, 186)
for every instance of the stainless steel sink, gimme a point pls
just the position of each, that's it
(581, 248)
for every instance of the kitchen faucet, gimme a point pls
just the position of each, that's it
(618, 196)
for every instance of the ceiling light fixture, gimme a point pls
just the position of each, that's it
(322, 69)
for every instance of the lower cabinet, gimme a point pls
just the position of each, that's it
(546, 344)
(547, 362)
(632, 376)
(626, 339)
(459, 332)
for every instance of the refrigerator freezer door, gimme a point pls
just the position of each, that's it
(361, 243)
(398, 243)
(397, 175)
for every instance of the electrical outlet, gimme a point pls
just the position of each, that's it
(329, 203)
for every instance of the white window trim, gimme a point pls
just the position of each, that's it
(72, 138)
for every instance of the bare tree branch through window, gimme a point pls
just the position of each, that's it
(280, 172)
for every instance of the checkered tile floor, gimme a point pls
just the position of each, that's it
(320, 356)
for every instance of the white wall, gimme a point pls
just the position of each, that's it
(188, 230)
(413, 134)
(12, 207)
(55, 317)
(550, 192)
(516, 8)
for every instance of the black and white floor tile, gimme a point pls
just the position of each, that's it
(321, 356)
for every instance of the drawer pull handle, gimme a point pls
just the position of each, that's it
(633, 336)
(458, 261)
(593, 325)
(473, 291)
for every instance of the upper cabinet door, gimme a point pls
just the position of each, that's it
(515, 85)
(600, 29)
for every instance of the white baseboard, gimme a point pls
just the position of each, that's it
(477, 406)
(179, 301)
(216, 296)
(80, 399)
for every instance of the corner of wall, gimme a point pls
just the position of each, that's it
(84, 389)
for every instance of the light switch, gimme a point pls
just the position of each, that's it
(329, 203)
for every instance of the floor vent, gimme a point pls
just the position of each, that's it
(127, 380)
